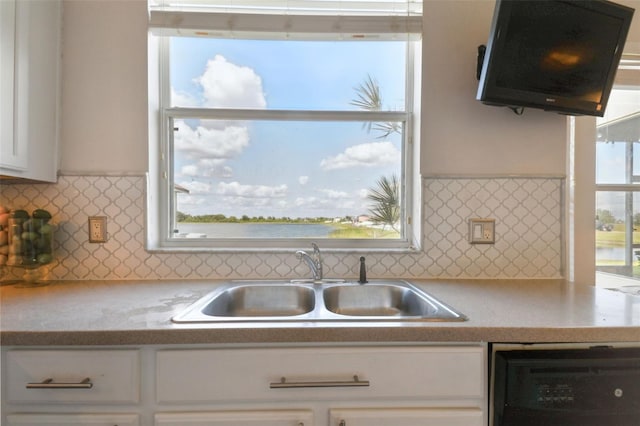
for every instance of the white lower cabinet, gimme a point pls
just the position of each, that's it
(410, 385)
(406, 417)
(72, 420)
(71, 387)
(276, 385)
(237, 418)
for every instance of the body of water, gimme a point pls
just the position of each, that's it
(257, 230)
(612, 253)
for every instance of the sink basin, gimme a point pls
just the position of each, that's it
(238, 301)
(330, 300)
(378, 300)
(262, 300)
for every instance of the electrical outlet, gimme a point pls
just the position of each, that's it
(482, 231)
(97, 229)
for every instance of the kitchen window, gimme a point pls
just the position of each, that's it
(283, 122)
(618, 189)
(603, 194)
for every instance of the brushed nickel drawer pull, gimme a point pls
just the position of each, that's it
(50, 384)
(283, 384)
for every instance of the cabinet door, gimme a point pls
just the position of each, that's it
(406, 417)
(237, 418)
(29, 88)
(10, 154)
(72, 420)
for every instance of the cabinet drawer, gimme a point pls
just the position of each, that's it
(406, 417)
(196, 376)
(73, 420)
(237, 418)
(110, 376)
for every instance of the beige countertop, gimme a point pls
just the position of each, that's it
(139, 312)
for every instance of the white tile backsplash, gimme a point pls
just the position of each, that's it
(528, 213)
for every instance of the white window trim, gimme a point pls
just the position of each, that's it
(581, 200)
(158, 238)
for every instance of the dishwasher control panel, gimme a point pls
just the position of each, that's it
(555, 394)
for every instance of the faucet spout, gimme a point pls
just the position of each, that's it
(314, 262)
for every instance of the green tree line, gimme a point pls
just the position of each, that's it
(605, 216)
(220, 218)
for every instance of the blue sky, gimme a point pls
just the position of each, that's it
(271, 168)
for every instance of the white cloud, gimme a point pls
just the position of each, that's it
(307, 202)
(188, 200)
(206, 168)
(189, 170)
(197, 187)
(223, 85)
(251, 191)
(333, 194)
(363, 155)
(331, 202)
(227, 85)
(303, 180)
(183, 99)
(208, 143)
(250, 203)
(214, 168)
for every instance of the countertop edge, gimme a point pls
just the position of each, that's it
(329, 335)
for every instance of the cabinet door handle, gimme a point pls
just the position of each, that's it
(50, 384)
(283, 384)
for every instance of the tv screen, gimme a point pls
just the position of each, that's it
(557, 55)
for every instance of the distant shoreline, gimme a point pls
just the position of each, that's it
(247, 229)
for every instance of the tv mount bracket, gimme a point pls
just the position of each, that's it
(482, 49)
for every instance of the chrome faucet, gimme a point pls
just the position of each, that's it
(314, 263)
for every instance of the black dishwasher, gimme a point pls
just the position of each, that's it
(597, 386)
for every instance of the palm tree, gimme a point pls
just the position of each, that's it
(368, 95)
(386, 199)
(370, 99)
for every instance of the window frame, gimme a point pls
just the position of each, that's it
(160, 209)
(629, 188)
(581, 194)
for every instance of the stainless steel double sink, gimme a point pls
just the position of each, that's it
(329, 300)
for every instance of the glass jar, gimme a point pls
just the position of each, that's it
(30, 246)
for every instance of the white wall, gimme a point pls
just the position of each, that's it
(461, 135)
(104, 87)
(633, 39)
(104, 96)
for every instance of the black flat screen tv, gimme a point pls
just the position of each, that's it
(556, 55)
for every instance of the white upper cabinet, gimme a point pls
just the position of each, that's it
(29, 88)
(9, 154)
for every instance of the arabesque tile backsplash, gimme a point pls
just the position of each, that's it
(529, 234)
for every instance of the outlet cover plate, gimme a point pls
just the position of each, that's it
(482, 231)
(97, 229)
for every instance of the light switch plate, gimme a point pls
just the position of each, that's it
(482, 231)
(97, 229)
